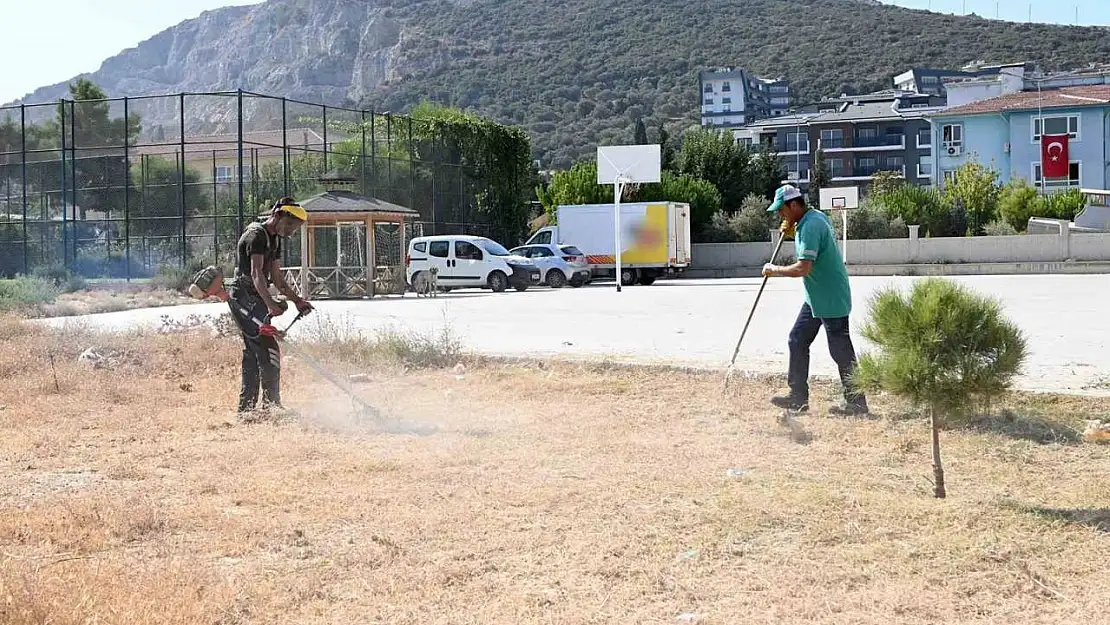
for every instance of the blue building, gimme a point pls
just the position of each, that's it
(1005, 132)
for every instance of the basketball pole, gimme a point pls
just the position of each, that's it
(617, 226)
(844, 212)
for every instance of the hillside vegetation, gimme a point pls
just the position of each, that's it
(580, 72)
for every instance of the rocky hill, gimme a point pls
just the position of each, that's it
(574, 73)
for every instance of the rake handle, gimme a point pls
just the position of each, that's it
(751, 313)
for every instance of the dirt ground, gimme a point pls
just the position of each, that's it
(521, 493)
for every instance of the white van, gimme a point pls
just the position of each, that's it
(468, 261)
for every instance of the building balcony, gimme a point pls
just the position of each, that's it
(787, 148)
(858, 144)
(862, 173)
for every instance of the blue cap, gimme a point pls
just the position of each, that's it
(784, 194)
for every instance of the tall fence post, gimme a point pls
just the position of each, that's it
(412, 169)
(389, 155)
(284, 149)
(239, 220)
(362, 154)
(373, 153)
(181, 174)
(126, 190)
(73, 172)
(65, 180)
(325, 140)
(23, 151)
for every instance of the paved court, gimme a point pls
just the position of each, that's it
(697, 322)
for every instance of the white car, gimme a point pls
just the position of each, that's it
(559, 265)
(463, 261)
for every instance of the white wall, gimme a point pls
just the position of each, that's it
(1025, 248)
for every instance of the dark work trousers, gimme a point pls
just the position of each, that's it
(840, 348)
(261, 354)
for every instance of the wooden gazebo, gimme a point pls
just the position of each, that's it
(351, 247)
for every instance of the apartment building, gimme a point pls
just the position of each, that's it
(933, 81)
(858, 136)
(733, 97)
(1005, 133)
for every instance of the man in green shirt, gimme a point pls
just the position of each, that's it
(828, 301)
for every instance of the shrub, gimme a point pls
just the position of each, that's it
(942, 348)
(25, 294)
(1017, 202)
(999, 228)
(61, 277)
(1063, 205)
(341, 340)
(752, 223)
(916, 206)
(870, 222)
(976, 190)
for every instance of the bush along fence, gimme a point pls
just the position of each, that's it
(1022, 250)
(119, 187)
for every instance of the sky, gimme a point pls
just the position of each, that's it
(104, 28)
(43, 29)
(1091, 12)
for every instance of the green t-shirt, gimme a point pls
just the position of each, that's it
(827, 290)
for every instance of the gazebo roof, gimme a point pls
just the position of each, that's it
(338, 201)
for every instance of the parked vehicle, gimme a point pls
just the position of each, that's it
(559, 265)
(655, 238)
(465, 261)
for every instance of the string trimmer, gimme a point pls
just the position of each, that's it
(209, 282)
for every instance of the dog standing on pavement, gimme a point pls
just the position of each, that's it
(430, 284)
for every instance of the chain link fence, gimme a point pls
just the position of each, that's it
(117, 188)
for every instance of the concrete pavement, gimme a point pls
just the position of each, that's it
(697, 322)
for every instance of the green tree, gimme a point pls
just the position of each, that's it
(1017, 202)
(767, 172)
(577, 185)
(752, 223)
(716, 158)
(703, 197)
(1063, 205)
(640, 134)
(96, 141)
(667, 155)
(819, 177)
(156, 197)
(944, 348)
(871, 221)
(886, 182)
(914, 205)
(976, 190)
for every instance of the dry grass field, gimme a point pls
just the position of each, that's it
(519, 493)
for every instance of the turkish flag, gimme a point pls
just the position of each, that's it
(1054, 156)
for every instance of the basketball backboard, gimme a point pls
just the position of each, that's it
(839, 198)
(629, 163)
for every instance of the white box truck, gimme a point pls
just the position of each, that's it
(655, 238)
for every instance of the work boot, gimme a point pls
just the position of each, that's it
(849, 409)
(791, 402)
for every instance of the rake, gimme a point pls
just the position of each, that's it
(736, 351)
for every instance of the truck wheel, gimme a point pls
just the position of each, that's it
(629, 277)
(647, 279)
(497, 281)
(556, 279)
